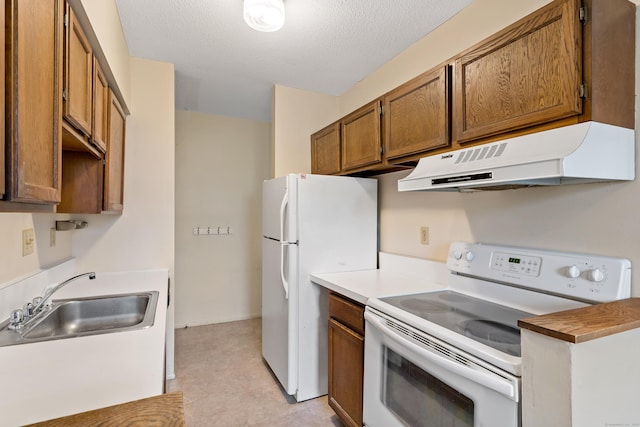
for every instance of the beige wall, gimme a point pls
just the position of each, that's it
(105, 21)
(296, 114)
(471, 25)
(596, 218)
(220, 165)
(142, 237)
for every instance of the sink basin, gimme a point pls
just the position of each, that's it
(88, 316)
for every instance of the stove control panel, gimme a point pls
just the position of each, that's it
(516, 263)
(584, 277)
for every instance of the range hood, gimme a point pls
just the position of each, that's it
(584, 152)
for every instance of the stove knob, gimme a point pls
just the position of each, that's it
(470, 256)
(595, 275)
(573, 272)
(457, 255)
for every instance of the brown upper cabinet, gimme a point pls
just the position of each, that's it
(410, 120)
(78, 75)
(569, 62)
(91, 184)
(417, 115)
(100, 122)
(113, 201)
(33, 98)
(325, 150)
(2, 79)
(569, 59)
(361, 137)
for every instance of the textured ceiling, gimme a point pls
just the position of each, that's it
(224, 67)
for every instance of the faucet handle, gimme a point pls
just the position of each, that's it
(16, 319)
(36, 301)
(16, 316)
(27, 310)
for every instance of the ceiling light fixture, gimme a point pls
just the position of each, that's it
(264, 15)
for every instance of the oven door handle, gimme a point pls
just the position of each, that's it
(500, 385)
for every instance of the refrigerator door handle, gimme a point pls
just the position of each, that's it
(285, 283)
(283, 208)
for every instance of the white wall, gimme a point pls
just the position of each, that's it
(14, 265)
(220, 165)
(596, 218)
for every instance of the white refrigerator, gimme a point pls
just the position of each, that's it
(310, 224)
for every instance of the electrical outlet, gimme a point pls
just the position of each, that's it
(424, 235)
(28, 241)
(52, 237)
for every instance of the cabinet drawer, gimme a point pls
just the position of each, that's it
(348, 312)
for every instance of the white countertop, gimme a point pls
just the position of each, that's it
(50, 379)
(397, 275)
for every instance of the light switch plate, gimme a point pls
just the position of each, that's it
(424, 235)
(28, 241)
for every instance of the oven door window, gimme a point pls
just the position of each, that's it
(420, 399)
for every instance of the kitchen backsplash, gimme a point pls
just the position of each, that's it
(16, 293)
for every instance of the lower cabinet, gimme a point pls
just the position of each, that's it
(346, 358)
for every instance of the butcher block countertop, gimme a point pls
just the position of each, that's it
(165, 410)
(588, 323)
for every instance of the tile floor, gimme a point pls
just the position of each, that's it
(225, 382)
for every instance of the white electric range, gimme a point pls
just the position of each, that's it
(452, 357)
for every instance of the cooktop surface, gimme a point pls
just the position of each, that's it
(486, 322)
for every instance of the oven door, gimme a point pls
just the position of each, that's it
(414, 379)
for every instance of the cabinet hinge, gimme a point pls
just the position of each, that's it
(582, 14)
(381, 109)
(64, 94)
(381, 149)
(583, 91)
(66, 19)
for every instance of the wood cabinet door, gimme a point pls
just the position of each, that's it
(527, 74)
(34, 35)
(78, 70)
(361, 137)
(346, 373)
(114, 167)
(325, 150)
(416, 115)
(2, 79)
(100, 119)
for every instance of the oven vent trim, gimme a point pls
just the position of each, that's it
(435, 346)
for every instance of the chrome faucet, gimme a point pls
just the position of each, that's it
(21, 317)
(39, 303)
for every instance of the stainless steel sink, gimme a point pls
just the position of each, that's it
(87, 316)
